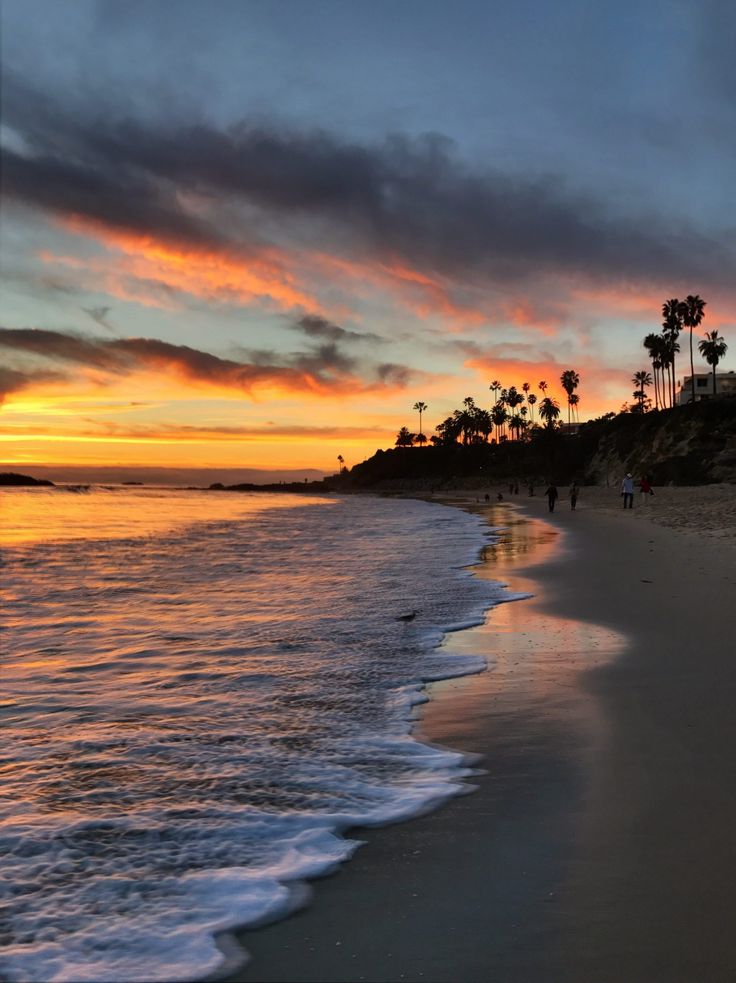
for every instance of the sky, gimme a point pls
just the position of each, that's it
(255, 234)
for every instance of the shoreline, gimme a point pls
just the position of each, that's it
(564, 863)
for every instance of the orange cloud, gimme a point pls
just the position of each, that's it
(208, 273)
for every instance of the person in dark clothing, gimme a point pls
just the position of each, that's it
(574, 492)
(552, 496)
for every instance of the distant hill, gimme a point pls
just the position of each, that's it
(687, 445)
(12, 479)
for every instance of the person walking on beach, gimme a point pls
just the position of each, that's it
(646, 488)
(627, 490)
(574, 492)
(552, 495)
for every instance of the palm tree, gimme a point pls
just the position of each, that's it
(549, 410)
(641, 380)
(574, 402)
(420, 439)
(499, 418)
(494, 387)
(671, 327)
(692, 311)
(422, 408)
(514, 399)
(341, 463)
(449, 430)
(404, 438)
(543, 387)
(483, 423)
(656, 346)
(531, 400)
(570, 381)
(713, 348)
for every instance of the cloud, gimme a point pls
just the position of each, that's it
(325, 370)
(99, 316)
(315, 326)
(405, 203)
(12, 380)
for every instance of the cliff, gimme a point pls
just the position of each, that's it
(687, 445)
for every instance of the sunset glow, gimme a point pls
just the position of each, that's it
(262, 276)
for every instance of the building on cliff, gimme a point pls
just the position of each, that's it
(725, 386)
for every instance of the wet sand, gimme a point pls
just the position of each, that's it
(599, 844)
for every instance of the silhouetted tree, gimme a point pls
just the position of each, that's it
(641, 380)
(570, 380)
(713, 348)
(420, 439)
(692, 312)
(499, 418)
(671, 327)
(404, 438)
(656, 346)
(531, 400)
(549, 410)
(421, 408)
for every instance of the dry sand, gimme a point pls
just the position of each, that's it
(599, 844)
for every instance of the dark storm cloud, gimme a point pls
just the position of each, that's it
(405, 200)
(324, 368)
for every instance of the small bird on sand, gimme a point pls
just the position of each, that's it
(407, 617)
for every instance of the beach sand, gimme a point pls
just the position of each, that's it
(599, 842)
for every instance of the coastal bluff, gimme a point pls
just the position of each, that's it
(687, 445)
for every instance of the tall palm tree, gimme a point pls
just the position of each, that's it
(653, 344)
(494, 387)
(341, 463)
(574, 403)
(467, 419)
(422, 408)
(499, 418)
(483, 423)
(641, 380)
(543, 387)
(712, 348)
(570, 381)
(549, 410)
(531, 400)
(692, 311)
(671, 328)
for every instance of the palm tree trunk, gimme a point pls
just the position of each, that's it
(656, 389)
(692, 365)
(714, 380)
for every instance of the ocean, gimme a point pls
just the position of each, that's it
(200, 694)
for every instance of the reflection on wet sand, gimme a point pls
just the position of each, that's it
(535, 657)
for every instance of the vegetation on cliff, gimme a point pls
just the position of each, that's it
(686, 445)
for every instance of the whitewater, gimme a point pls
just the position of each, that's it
(202, 693)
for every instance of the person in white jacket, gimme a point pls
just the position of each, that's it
(627, 490)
